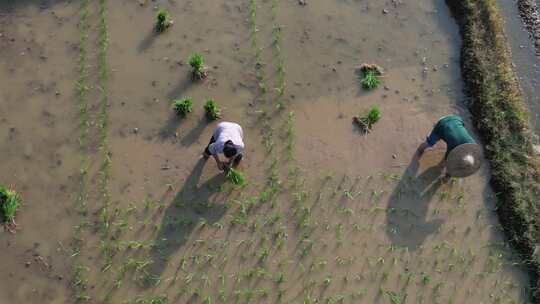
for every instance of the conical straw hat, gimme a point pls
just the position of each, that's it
(464, 160)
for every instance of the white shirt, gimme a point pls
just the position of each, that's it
(224, 132)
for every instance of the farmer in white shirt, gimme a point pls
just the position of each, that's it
(227, 139)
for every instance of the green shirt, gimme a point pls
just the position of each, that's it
(451, 130)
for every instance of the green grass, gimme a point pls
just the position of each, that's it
(211, 110)
(10, 202)
(370, 80)
(235, 177)
(196, 61)
(163, 20)
(183, 106)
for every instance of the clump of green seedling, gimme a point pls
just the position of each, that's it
(394, 297)
(163, 21)
(10, 201)
(370, 74)
(183, 106)
(198, 70)
(152, 300)
(368, 120)
(211, 110)
(236, 177)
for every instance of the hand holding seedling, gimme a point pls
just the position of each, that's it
(234, 176)
(220, 164)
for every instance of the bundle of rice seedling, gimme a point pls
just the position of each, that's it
(235, 177)
(9, 204)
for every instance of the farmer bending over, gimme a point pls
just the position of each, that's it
(463, 156)
(227, 139)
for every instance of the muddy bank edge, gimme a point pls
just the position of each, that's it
(500, 116)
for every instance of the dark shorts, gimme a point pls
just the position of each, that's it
(207, 151)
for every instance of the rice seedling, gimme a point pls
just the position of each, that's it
(188, 278)
(211, 110)
(309, 300)
(395, 298)
(83, 297)
(183, 106)
(147, 279)
(82, 88)
(280, 278)
(264, 253)
(79, 279)
(205, 280)
(198, 70)
(290, 135)
(370, 80)
(236, 177)
(335, 299)
(368, 120)
(136, 265)
(370, 74)
(163, 20)
(327, 280)
(10, 203)
(207, 300)
(152, 300)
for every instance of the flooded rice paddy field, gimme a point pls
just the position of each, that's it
(120, 208)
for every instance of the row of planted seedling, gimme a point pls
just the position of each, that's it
(111, 247)
(304, 216)
(83, 88)
(79, 271)
(381, 260)
(188, 279)
(79, 280)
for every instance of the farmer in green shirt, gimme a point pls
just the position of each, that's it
(463, 155)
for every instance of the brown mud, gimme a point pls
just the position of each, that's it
(328, 215)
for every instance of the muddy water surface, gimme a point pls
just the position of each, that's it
(340, 217)
(39, 149)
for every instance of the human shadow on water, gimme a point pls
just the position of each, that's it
(168, 131)
(195, 133)
(148, 40)
(191, 205)
(179, 90)
(406, 214)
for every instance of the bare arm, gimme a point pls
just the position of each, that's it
(218, 161)
(423, 146)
